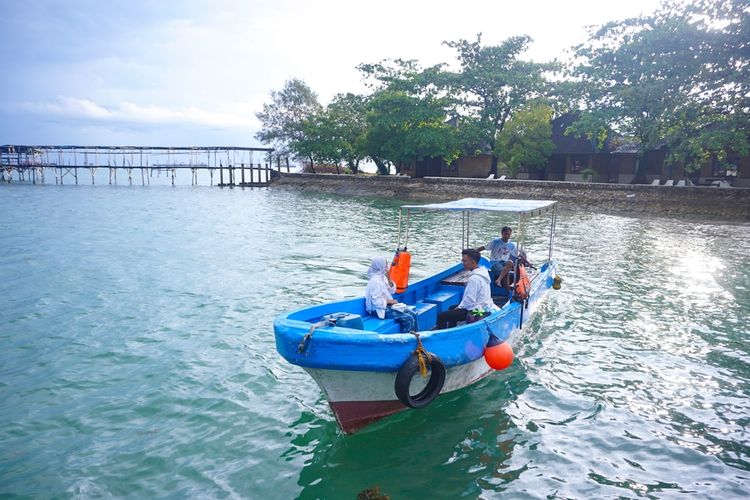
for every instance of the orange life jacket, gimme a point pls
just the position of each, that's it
(400, 270)
(523, 285)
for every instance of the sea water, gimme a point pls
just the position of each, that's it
(137, 355)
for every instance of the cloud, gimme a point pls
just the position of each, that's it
(240, 116)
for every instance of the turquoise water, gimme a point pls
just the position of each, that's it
(137, 356)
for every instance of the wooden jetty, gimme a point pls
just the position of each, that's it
(235, 166)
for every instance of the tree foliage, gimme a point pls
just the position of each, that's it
(284, 117)
(402, 128)
(526, 140)
(406, 118)
(348, 112)
(491, 84)
(677, 78)
(334, 134)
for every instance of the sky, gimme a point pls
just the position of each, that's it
(195, 72)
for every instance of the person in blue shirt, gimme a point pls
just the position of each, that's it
(502, 251)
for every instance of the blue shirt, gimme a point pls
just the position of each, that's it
(501, 251)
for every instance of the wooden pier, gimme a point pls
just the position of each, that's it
(234, 166)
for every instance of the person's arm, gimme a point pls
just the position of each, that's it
(389, 288)
(390, 284)
(381, 299)
(489, 246)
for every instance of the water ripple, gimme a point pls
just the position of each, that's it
(137, 357)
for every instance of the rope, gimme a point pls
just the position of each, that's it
(422, 355)
(302, 347)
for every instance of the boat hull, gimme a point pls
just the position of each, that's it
(360, 398)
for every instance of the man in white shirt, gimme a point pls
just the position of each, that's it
(476, 294)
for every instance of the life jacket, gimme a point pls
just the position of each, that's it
(523, 285)
(400, 270)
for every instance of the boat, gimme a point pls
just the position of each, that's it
(368, 369)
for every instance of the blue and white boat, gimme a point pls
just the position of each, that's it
(368, 369)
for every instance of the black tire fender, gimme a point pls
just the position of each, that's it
(431, 390)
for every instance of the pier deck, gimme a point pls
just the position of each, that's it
(235, 165)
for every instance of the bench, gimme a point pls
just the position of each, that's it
(426, 320)
(443, 299)
(375, 324)
(426, 315)
(460, 278)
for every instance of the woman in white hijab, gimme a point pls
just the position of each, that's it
(380, 288)
(379, 297)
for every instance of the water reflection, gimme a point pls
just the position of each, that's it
(463, 435)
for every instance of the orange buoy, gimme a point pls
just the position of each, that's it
(400, 270)
(498, 356)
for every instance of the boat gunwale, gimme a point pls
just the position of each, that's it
(368, 350)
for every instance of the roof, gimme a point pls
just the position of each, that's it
(580, 145)
(628, 147)
(526, 207)
(570, 144)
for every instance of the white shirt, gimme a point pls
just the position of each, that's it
(500, 251)
(477, 293)
(377, 295)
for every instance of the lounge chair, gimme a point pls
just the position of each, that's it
(670, 182)
(680, 183)
(502, 177)
(655, 182)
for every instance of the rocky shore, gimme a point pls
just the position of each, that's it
(698, 201)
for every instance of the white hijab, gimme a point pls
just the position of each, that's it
(377, 267)
(377, 292)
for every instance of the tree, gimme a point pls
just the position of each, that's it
(318, 142)
(526, 139)
(724, 80)
(284, 117)
(491, 85)
(677, 78)
(402, 128)
(406, 119)
(334, 134)
(347, 112)
(718, 119)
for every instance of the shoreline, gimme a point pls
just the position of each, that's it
(700, 201)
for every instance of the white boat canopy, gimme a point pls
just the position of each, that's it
(520, 207)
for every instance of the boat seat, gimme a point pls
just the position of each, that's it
(426, 315)
(460, 278)
(443, 299)
(426, 320)
(375, 324)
